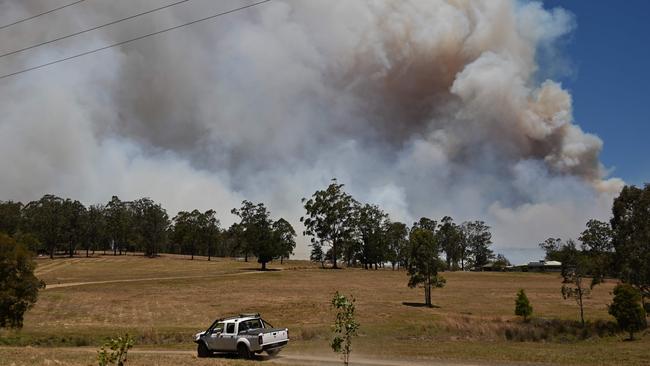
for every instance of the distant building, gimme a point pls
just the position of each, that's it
(544, 266)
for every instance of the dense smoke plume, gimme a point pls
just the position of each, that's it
(427, 108)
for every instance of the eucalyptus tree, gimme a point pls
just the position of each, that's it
(96, 235)
(478, 239)
(151, 224)
(257, 232)
(371, 223)
(186, 230)
(284, 235)
(450, 239)
(210, 231)
(46, 219)
(74, 228)
(631, 237)
(424, 258)
(10, 216)
(397, 240)
(330, 218)
(119, 223)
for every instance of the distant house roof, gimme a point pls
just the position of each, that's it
(544, 264)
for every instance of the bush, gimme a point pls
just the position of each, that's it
(119, 347)
(626, 308)
(522, 305)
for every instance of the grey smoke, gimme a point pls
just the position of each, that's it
(428, 108)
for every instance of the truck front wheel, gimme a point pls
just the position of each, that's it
(202, 350)
(243, 351)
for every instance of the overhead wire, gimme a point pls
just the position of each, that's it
(92, 29)
(133, 39)
(41, 14)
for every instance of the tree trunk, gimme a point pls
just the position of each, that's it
(52, 252)
(263, 266)
(582, 313)
(281, 259)
(631, 335)
(246, 257)
(87, 250)
(334, 254)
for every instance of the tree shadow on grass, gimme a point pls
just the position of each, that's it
(261, 270)
(420, 305)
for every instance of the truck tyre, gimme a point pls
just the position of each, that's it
(273, 352)
(243, 351)
(202, 350)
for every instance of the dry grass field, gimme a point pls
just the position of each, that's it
(164, 301)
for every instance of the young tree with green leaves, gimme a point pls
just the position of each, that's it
(424, 262)
(522, 305)
(626, 308)
(119, 348)
(317, 255)
(345, 325)
(330, 219)
(575, 269)
(18, 285)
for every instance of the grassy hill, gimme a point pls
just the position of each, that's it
(164, 301)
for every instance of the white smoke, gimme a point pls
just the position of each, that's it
(428, 108)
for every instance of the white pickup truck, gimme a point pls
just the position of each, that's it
(245, 334)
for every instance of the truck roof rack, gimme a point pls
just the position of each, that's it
(241, 315)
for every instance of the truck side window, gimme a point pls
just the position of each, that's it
(230, 328)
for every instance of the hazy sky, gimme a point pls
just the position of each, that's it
(427, 108)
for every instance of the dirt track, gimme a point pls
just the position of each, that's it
(286, 358)
(71, 284)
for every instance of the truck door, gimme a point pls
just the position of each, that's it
(214, 333)
(226, 340)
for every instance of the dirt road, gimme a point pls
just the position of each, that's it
(71, 284)
(285, 358)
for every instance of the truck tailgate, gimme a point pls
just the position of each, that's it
(273, 336)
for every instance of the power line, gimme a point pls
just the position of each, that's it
(93, 28)
(41, 14)
(133, 39)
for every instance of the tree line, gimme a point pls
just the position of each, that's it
(53, 225)
(344, 230)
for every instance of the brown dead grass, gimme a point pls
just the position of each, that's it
(470, 321)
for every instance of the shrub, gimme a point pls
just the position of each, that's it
(522, 305)
(119, 347)
(626, 308)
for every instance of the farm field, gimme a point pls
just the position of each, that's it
(164, 301)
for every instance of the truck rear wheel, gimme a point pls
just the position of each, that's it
(243, 351)
(273, 352)
(202, 350)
